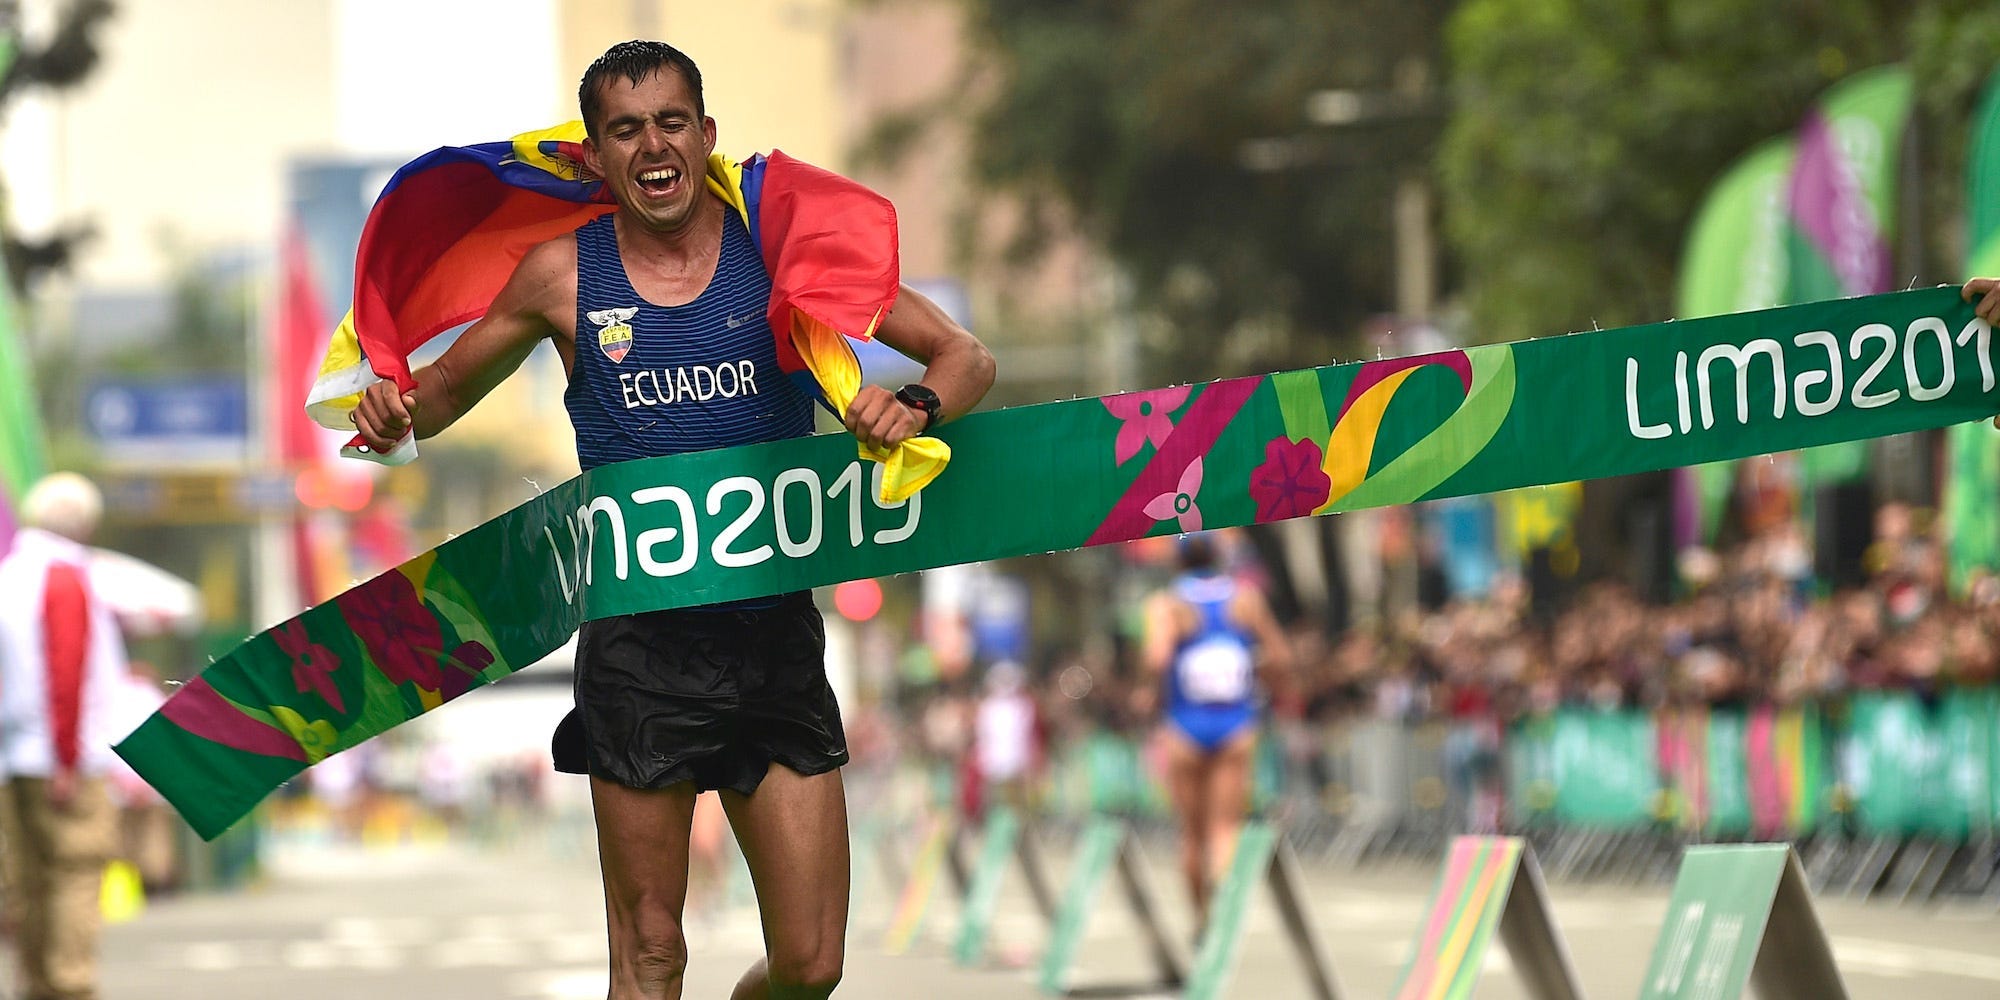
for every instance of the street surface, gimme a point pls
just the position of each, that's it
(450, 921)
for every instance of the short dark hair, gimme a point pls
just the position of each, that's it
(1198, 553)
(635, 61)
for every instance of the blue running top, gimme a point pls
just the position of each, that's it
(1211, 687)
(651, 380)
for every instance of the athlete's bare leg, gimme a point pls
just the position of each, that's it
(1187, 788)
(794, 837)
(1230, 770)
(642, 846)
(707, 873)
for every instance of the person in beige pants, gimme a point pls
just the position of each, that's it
(61, 657)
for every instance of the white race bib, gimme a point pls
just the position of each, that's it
(1215, 670)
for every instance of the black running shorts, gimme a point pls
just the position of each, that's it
(712, 697)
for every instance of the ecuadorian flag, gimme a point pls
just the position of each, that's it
(449, 227)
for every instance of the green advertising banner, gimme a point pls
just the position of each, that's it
(1531, 770)
(1606, 768)
(1094, 854)
(1843, 211)
(1982, 184)
(914, 903)
(1971, 514)
(1971, 517)
(1459, 922)
(1737, 259)
(745, 522)
(1843, 189)
(1802, 757)
(1962, 793)
(1222, 939)
(23, 454)
(1741, 915)
(1918, 768)
(996, 848)
(1727, 781)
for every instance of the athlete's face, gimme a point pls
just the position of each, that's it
(652, 148)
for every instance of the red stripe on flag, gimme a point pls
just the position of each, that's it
(438, 248)
(830, 246)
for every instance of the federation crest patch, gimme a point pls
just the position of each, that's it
(614, 334)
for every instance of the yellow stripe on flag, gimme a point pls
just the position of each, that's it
(906, 468)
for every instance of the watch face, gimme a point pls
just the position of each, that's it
(919, 396)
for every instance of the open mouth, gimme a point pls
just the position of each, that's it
(661, 182)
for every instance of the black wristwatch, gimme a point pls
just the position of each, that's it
(919, 397)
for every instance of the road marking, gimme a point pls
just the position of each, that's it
(471, 952)
(1902, 961)
(573, 949)
(378, 930)
(381, 944)
(211, 956)
(312, 955)
(568, 984)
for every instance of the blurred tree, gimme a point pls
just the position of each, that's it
(207, 328)
(1176, 136)
(1585, 133)
(61, 60)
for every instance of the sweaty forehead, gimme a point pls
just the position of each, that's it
(660, 92)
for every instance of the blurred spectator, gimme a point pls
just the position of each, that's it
(444, 782)
(1007, 736)
(61, 660)
(340, 784)
(146, 825)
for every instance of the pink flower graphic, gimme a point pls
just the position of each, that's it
(1180, 502)
(312, 664)
(1146, 418)
(1290, 483)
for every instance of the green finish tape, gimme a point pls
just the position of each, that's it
(765, 519)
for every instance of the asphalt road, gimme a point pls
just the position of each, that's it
(456, 922)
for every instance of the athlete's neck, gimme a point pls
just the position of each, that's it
(672, 268)
(691, 245)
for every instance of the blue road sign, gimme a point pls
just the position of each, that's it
(169, 420)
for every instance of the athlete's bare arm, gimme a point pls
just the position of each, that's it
(1166, 624)
(538, 300)
(1273, 646)
(1167, 619)
(959, 369)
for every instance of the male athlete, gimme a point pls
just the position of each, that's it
(728, 697)
(1206, 635)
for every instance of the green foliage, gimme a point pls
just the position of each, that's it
(1131, 120)
(1585, 133)
(206, 332)
(1954, 50)
(1582, 135)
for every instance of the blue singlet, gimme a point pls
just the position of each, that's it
(1211, 687)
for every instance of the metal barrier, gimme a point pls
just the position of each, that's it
(1885, 793)
(1739, 915)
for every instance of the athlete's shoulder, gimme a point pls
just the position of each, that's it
(550, 264)
(544, 282)
(551, 258)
